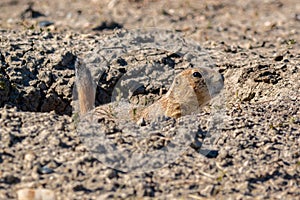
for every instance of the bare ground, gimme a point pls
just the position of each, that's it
(254, 44)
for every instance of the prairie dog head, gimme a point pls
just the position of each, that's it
(189, 88)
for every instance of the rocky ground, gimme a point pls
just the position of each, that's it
(254, 44)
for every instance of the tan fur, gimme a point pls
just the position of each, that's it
(185, 96)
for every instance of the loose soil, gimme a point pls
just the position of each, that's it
(254, 44)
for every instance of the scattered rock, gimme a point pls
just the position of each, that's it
(297, 17)
(111, 25)
(45, 23)
(278, 58)
(11, 179)
(36, 194)
(45, 170)
(258, 143)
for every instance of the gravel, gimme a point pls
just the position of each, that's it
(254, 44)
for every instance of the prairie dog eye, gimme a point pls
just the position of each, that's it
(197, 75)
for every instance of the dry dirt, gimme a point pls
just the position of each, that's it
(254, 44)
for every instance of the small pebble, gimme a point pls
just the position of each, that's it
(30, 156)
(35, 194)
(45, 170)
(297, 17)
(278, 58)
(45, 23)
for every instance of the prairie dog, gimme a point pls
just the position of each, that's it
(186, 95)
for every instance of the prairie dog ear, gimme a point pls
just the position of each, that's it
(179, 88)
(177, 81)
